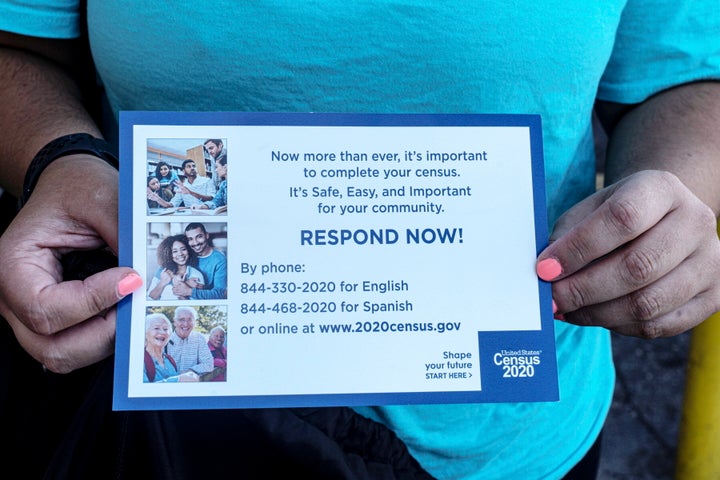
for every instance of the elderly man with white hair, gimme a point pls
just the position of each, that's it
(189, 348)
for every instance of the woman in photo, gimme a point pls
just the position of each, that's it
(217, 344)
(159, 367)
(156, 196)
(167, 178)
(178, 264)
(220, 198)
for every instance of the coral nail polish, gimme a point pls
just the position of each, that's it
(129, 284)
(549, 269)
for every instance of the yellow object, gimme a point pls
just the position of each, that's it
(699, 442)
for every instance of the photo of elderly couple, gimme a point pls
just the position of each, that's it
(185, 344)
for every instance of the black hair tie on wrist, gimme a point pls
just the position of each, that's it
(78, 264)
(65, 145)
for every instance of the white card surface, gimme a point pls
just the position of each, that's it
(369, 259)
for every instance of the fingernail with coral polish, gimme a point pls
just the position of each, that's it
(549, 269)
(129, 284)
(556, 315)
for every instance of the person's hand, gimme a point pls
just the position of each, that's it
(194, 283)
(64, 324)
(166, 276)
(154, 196)
(182, 289)
(189, 376)
(640, 257)
(181, 187)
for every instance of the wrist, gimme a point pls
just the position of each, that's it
(64, 146)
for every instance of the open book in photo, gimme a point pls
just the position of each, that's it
(161, 211)
(210, 211)
(187, 211)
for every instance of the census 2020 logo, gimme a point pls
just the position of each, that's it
(517, 363)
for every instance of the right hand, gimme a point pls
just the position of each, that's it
(189, 377)
(194, 283)
(182, 188)
(64, 324)
(640, 257)
(166, 276)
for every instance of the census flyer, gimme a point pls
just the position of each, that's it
(332, 260)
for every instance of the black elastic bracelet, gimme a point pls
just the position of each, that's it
(66, 145)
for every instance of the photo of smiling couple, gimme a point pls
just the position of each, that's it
(187, 261)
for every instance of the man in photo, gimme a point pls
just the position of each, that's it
(216, 149)
(195, 189)
(188, 347)
(211, 263)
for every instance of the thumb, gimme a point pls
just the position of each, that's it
(62, 305)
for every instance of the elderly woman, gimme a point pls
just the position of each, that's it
(159, 367)
(178, 264)
(216, 342)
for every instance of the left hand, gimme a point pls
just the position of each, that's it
(640, 257)
(64, 324)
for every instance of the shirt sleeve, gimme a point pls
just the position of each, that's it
(177, 200)
(41, 18)
(153, 284)
(219, 283)
(218, 199)
(210, 188)
(196, 274)
(661, 44)
(205, 360)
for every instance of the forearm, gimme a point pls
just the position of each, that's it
(40, 102)
(209, 294)
(200, 196)
(676, 131)
(156, 291)
(63, 324)
(163, 203)
(207, 362)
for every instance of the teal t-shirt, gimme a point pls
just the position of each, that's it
(550, 57)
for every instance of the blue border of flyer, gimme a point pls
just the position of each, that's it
(348, 259)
